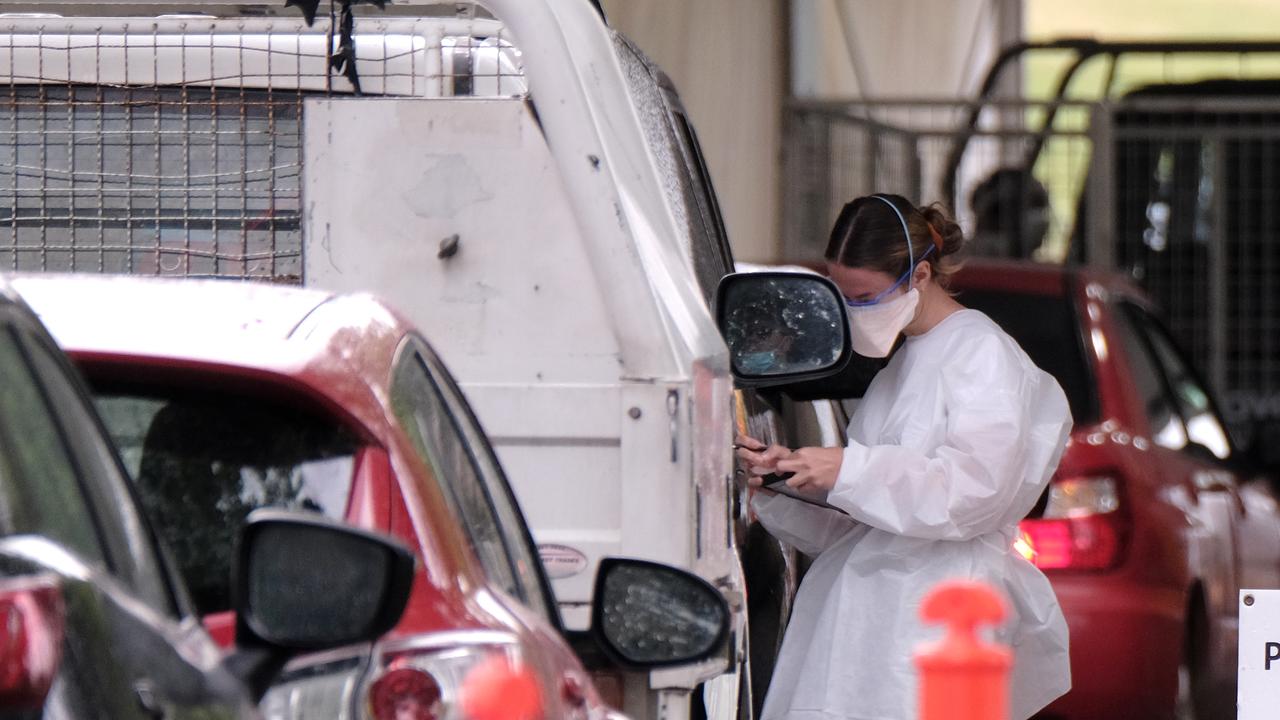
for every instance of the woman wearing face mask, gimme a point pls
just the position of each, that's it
(953, 443)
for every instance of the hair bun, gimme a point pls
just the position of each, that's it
(952, 237)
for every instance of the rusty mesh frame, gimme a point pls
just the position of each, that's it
(173, 146)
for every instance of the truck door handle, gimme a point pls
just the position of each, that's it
(673, 412)
(145, 693)
(1214, 482)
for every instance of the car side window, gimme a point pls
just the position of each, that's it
(1192, 398)
(418, 404)
(680, 163)
(127, 536)
(46, 495)
(711, 256)
(202, 458)
(1167, 428)
(520, 547)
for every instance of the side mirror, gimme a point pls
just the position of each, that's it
(305, 582)
(649, 615)
(782, 328)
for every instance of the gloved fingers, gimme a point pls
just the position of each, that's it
(813, 468)
(795, 464)
(761, 470)
(766, 458)
(753, 461)
(800, 480)
(776, 453)
(766, 463)
(751, 457)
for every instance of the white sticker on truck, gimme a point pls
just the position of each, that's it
(561, 561)
(1259, 688)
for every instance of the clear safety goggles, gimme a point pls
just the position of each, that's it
(889, 290)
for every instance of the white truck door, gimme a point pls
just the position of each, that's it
(453, 210)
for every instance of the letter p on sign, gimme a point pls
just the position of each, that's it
(1259, 693)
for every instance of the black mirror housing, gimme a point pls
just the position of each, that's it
(782, 327)
(647, 615)
(305, 582)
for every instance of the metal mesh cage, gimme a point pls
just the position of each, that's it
(837, 151)
(173, 146)
(151, 180)
(1194, 215)
(1181, 194)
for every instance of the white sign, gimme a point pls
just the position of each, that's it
(1259, 693)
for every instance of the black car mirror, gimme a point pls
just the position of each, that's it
(304, 582)
(782, 327)
(649, 615)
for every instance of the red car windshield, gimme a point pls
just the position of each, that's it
(203, 461)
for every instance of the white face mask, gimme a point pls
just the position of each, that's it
(875, 328)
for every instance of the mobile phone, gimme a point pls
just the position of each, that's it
(775, 478)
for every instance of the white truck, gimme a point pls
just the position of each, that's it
(515, 177)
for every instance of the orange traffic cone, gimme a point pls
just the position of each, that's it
(499, 690)
(961, 677)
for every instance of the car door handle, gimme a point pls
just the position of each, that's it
(573, 691)
(145, 693)
(1214, 481)
(1220, 481)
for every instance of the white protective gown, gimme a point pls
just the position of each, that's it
(952, 445)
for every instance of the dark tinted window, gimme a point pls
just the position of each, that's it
(203, 461)
(1157, 403)
(1046, 328)
(680, 166)
(44, 492)
(1192, 398)
(711, 247)
(126, 535)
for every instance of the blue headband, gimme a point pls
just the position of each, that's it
(911, 259)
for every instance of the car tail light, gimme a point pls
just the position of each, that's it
(406, 693)
(429, 683)
(1083, 527)
(32, 622)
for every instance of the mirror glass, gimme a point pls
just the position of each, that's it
(781, 324)
(654, 615)
(315, 586)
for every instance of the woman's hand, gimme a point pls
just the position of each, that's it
(815, 468)
(760, 459)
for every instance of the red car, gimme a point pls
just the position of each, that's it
(95, 621)
(1153, 522)
(225, 397)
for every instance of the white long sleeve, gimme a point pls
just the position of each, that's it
(966, 486)
(805, 527)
